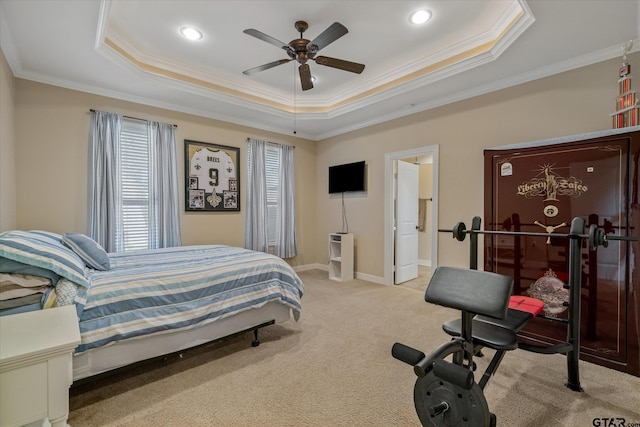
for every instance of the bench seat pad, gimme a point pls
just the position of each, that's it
(485, 334)
(514, 321)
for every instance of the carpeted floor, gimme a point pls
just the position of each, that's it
(422, 281)
(334, 368)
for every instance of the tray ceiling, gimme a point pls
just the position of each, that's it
(133, 50)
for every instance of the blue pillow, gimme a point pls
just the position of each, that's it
(88, 249)
(45, 250)
(10, 266)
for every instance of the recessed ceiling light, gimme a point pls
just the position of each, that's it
(420, 16)
(191, 33)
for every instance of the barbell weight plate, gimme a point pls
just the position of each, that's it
(466, 407)
(460, 231)
(592, 237)
(597, 237)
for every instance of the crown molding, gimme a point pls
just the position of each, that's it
(532, 75)
(449, 61)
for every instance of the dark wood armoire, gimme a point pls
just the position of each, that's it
(540, 187)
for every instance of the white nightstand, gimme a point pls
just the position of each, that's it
(36, 368)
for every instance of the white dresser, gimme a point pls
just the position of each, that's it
(36, 369)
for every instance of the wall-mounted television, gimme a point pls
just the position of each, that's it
(347, 177)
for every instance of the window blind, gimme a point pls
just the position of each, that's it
(271, 168)
(135, 209)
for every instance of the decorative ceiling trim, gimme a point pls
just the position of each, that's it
(532, 75)
(433, 66)
(208, 85)
(152, 69)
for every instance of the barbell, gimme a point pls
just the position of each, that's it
(597, 236)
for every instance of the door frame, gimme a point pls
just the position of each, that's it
(406, 219)
(389, 214)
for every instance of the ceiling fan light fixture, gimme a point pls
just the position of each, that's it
(420, 16)
(302, 51)
(191, 33)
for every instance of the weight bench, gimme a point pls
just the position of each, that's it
(521, 309)
(498, 334)
(445, 392)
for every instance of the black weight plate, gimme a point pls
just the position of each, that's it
(466, 407)
(460, 231)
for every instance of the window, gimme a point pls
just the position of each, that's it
(273, 184)
(270, 221)
(133, 190)
(272, 164)
(133, 226)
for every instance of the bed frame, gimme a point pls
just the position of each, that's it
(103, 359)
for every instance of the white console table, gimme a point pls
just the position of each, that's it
(36, 369)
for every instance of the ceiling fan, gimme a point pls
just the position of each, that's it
(303, 50)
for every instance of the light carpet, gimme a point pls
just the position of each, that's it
(334, 368)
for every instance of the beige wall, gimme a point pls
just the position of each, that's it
(52, 126)
(574, 102)
(7, 147)
(52, 130)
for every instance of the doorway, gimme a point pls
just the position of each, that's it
(423, 155)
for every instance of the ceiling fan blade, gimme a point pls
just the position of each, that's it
(331, 34)
(340, 64)
(305, 77)
(265, 66)
(262, 36)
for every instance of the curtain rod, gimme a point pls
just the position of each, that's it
(275, 143)
(130, 117)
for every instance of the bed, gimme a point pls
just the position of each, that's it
(140, 305)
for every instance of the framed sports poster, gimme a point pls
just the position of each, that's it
(212, 177)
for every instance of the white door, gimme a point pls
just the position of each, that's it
(406, 222)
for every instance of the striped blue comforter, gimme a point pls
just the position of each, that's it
(150, 292)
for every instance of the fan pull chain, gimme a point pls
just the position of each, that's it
(294, 99)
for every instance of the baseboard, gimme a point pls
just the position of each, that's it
(324, 267)
(315, 266)
(424, 262)
(370, 278)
